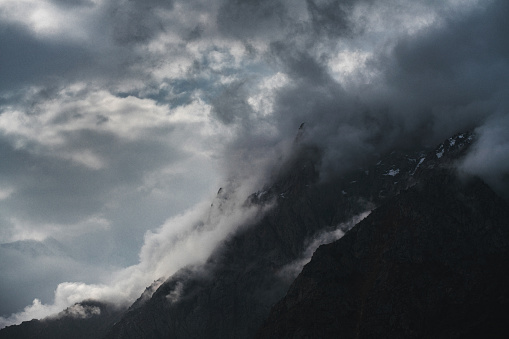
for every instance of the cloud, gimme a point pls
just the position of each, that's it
(187, 239)
(66, 295)
(412, 88)
(137, 21)
(490, 156)
(48, 262)
(24, 230)
(82, 312)
(74, 3)
(81, 133)
(331, 18)
(79, 108)
(292, 270)
(251, 19)
(27, 59)
(231, 104)
(175, 295)
(95, 171)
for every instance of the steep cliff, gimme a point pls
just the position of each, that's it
(433, 262)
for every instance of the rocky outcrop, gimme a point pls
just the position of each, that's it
(433, 262)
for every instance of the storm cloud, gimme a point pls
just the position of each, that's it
(116, 117)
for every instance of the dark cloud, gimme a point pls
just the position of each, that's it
(73, 3)
(432, 84)
(459, 63)
(195, 33)
(455, 74)
(136, 21)
(248, 19)
(300, 64)
(331, 18)
(231, 105)
(26, 59)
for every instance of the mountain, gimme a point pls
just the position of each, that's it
(431, 262)
(232, 294)
(84, 320)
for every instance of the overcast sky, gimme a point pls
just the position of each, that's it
(120, 120)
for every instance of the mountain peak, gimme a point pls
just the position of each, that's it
(430, 262)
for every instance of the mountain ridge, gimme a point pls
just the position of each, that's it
(430, 262)
(232, 293)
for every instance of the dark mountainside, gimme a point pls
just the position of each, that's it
(231, 295)
(430, 263)
(85, 320)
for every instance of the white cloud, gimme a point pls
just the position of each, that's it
(187, 239)
(50, 129)
(66, 295)
(82, 312)
(87, 158)
(349, 66)
(47, 20)
(293, 269)
(174, 295)
(5, 192)
(69, 112)
(262, 101)
(490, 156)
(27, 230)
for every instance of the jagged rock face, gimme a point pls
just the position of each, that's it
(429, 263)
(88, 319)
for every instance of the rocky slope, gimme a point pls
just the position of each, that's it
(433, 262)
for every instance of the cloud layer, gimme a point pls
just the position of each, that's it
(116, 116)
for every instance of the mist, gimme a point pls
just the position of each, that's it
(185, 240)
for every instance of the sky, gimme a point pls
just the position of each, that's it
(121, 119)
